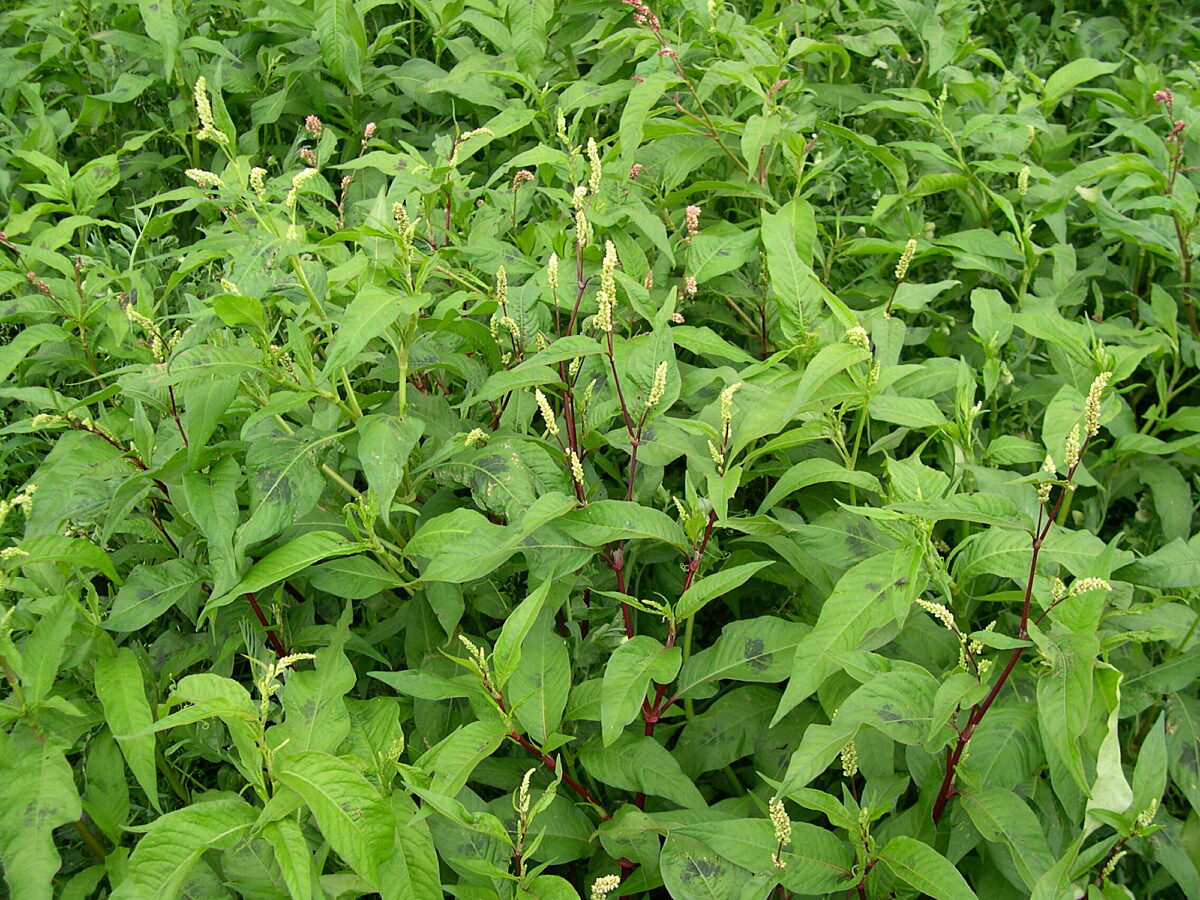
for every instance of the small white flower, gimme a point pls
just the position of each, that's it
(547, 412)
(604, 886)
(783, 830)
(658, 386)
(1091, 407)
(593, 154)
(1071, 452)
(906, 256)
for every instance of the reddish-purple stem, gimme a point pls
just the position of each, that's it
(954, 756)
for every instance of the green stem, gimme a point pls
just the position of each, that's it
(689, 709)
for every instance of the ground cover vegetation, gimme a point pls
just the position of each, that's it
(530, 450)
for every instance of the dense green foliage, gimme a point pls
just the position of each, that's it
(526, 450)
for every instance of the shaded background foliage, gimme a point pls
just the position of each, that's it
(249, 414)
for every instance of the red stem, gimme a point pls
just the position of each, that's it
(953, 757)
(272, 637)
(548, 761)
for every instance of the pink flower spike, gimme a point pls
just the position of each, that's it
(635, 170)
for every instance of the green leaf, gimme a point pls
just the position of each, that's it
(508, 380)
(692, 871)
(294, 556)
(213, 696)
(1003, 816)
(734, 726)
(37, 794)
(1071, 75)
(316, 717)
(506, 656)
(606, 521)
(212, 503)
(454, 759)
(919, 865)
(128, 86)
(150, 591)
(916, 297)
(818, 747)
(628, 673)
(74, 551)
(538, 689)
(1064, 697)
(640, 763)
(162, 27)
(342, 38)
(703, 341)
(234, 309)
(1172, 498)
(529, 21)
(205, 400)
(860, 614)
(42, 652)
(412, 870)
(718, 250)
(548, 887)
(788, 237)
(463, 545)
(1150, 768)
(285, 482)
(352, 578)
(816, 862)
(161, 861)
(899, 703)
(371, 312)
(757, 650)
(26, 340)
(987, 509)
(812, 471)
(1183, 745)
(1176, 565)
(715, 585)
(122, 695)
(350, 812)
(293, 856)
(384, 445)
(913, 412)
(641, 98)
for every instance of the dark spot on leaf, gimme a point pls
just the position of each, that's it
(700, 868)
(755, 657)
(888, 714)
(872, 586)
(1187, 757)
(272, 485)
(353, 810)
